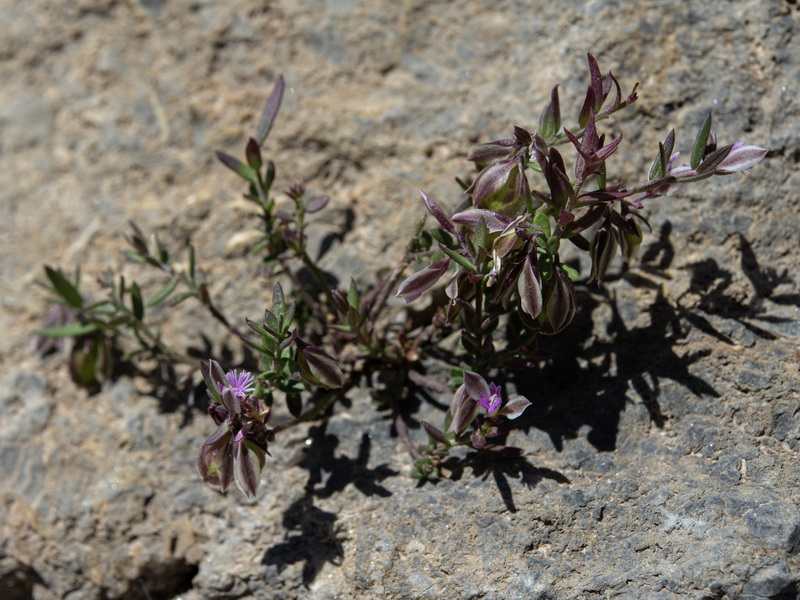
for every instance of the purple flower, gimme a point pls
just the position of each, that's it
(492, 399)
(237, 450)
(488, 395)
(238, 382)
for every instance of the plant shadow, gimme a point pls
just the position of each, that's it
(592, 387)
(312, 534)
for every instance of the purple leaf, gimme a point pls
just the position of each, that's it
(437, 213)
(515, 407)
(317, 367)
(499, 186)
(560, 303)
(231, 401)
(550, 119)
(244, 171)
(475, 385)
(215, 459)
(421, 281)
(270, 111)
(463, 411)
(741, 159)
(471, 217)
(597, 83)
(434, 432)
(248, 463)
(602, 250)
(529, 287)
(486, 154)
(253, 154)
(317, 203)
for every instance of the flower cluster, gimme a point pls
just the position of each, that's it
(237, 450)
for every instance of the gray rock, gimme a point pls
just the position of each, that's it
(661, 460)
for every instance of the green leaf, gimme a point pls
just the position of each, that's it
(255, 345)
(163, 293)
(104, 307)
(459, 259)
(134, 256)
(136, 301)
(163, 253)
(541, 219)
(128, 356)
(243, 170)
(700, 142)
(181, 298)
(278, 299)
(571, 272)
(480, 236)
(271, 320)
(70, 330)
(600, 175)
(64, 288)
(192, 275)
(257, 327)
(550, 119)
(659, 167)
(288, 317)
(353, 295)
(714, 159)
(445, 238)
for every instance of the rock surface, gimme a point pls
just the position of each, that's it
(662, 461)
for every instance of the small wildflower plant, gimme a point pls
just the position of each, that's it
(498, 256)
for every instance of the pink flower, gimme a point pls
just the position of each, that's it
(238, 382)
(492, 399)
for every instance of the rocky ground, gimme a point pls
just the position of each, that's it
(662, 447)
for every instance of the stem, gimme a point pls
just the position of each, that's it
(402, 431)
(319, 277)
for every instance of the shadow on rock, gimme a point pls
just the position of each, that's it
(592, 387)
(312, 533)
(711, 285)
(519, 469)
(312, 537)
